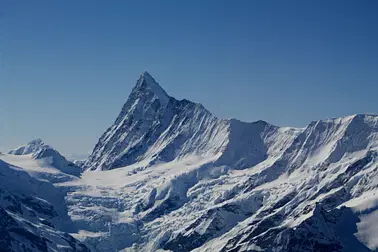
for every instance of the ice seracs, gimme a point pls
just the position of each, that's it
(33, 215)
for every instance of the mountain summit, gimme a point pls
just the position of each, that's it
(47, 155)
(147, 83)
(154, 127)
(29, 148)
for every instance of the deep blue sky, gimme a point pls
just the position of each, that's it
(67, 67)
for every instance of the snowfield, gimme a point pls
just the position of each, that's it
(170, 176)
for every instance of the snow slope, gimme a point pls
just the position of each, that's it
(170, 176)
(46, 156)
(31, 147)
(33, 216)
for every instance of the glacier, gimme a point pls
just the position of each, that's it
(168, 175)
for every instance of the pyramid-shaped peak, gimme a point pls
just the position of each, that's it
(37, 141)
(146, 74)
(147, 83)
(147, 79)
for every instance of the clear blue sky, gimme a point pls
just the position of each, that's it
(67, 67)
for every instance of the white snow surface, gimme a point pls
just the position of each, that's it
(46, 156)
(33, 213)
(32, 147)
(170, 176)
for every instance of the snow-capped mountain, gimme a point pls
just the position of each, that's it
(154, 127)
(30, 148)
(170, 176)
(47, 156)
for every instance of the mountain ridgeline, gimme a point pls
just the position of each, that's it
(156, 127)
(168, 175)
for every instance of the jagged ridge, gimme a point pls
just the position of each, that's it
(155, 127)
